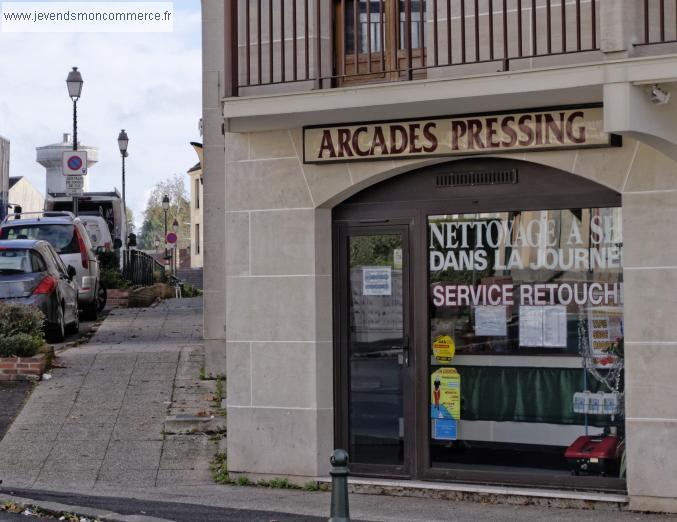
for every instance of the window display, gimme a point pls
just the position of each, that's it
(526, 314)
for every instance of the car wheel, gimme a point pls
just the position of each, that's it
(58, 331)
(90, 312)
(101, 298)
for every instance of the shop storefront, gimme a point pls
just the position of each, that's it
(479, 309)
(452, 253)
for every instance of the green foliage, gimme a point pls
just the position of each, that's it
(112, 278)
(373, 250)
(311, 486)
(244, 481)
(188, 290)
(131, 227)
(20, 345)
(219, 391)
(203, 374)
(154, 217)
(278, 483)
(21, 330)
(19, 319)
(219, 468)
(109, 260)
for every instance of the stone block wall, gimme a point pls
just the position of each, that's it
(279, 302)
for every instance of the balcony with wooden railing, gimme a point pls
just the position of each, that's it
(297, 45)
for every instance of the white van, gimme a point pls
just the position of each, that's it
(97, 228)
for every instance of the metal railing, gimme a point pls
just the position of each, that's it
(329, 43)
(660, 21)
(140, 269)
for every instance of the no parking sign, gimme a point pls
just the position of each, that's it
(74, 163)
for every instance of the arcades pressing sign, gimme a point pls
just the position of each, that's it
(539, 130)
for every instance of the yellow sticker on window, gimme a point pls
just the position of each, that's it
(444, 348)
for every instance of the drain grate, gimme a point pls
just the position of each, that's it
(476, 177)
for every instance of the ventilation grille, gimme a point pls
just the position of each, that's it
(476, 177)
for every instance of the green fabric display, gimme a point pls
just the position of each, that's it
(522, 394)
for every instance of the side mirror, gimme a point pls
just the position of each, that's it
(71, 272)
(117, 244)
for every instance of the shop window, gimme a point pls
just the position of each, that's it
(526, 338)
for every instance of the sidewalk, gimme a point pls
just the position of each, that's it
(99, 421)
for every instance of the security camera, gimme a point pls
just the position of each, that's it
(658, 96)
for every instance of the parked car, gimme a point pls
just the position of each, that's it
(33, 274)
(67, 234)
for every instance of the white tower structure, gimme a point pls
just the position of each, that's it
(51, 157)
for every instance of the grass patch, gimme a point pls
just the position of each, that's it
(219, 468)
(218, 397)
(278, 483)
(311, 486)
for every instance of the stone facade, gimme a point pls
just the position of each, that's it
(279, 340)
(269, 214)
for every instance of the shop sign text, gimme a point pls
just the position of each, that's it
(459, 135)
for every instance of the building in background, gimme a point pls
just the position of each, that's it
(51, 157)
(4, 176)
(196, 192)
(441, 230)
(23, 193)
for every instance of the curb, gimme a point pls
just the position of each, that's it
(55, 509)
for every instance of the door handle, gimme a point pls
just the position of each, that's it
(403, 356)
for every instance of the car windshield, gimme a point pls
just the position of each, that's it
(15, 261)
(61, 237)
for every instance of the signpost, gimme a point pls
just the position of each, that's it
(75, 163)
(74, 185)
(171, 238)
(74, 166)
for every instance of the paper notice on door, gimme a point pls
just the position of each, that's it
(531, 325)
(377, 280)
(543, 326)
(491, 320)
(555, 326)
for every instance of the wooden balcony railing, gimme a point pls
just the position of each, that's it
(660, 21)
(327, 43)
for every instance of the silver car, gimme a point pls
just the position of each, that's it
(32, 274)
(67, 234)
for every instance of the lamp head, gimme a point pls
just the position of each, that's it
(165, 202)
(74, 82)
(123, 141)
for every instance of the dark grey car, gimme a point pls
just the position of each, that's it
(33, 274)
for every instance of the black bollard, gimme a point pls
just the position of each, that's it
(339, 486)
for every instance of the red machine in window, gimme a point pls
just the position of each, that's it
(593, 455)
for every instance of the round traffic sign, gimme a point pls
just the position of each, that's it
(75, 163)
(172, 238)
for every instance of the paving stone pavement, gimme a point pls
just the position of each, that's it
(98, 422)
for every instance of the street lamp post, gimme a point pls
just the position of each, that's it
(165, 207)
(74, 83)
(123, 141)
(175, 228)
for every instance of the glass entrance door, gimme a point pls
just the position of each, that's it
(376, 349)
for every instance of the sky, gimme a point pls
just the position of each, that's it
(146, 83)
